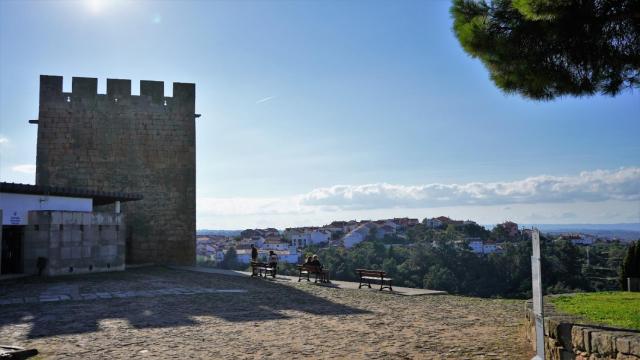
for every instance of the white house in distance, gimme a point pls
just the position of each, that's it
(433, 223)
(274, 243)
(357, 236)
(305, 237)
(479, 247)
(579, 239)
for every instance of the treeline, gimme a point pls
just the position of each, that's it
(440, 259)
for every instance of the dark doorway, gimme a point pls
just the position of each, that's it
(11, 249)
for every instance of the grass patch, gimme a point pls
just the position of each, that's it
(613, 308)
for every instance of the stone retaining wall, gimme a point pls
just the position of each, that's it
(568, 337)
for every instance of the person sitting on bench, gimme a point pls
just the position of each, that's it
(316, 262)
(273, 262)
(309, 260)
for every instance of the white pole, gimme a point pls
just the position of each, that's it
(117, 206)
(536, 282)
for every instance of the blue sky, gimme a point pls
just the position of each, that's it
(314, 111)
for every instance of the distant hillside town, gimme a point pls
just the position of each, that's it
(290, 243)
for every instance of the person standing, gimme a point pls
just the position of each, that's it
(273, 262)
(254, 253)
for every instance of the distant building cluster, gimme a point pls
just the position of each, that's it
(289, 243)
(579, 239)
(442, 222)
(214, 247)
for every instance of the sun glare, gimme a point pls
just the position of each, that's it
(95, 6)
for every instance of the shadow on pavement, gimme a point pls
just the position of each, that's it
(263, 301)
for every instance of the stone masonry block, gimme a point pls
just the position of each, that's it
(66, 236)
(185, 92)
(67, 218)
(39, 217)
(76, 234)
(623, 344)
(587, 338)
(602, 343)
(108, 235)
(84, 87)
(76, 252)
(42, 234)
(577, 338)
(634, 346)
(50, 86)
(77, 217)
(86, 252)
(65, 253)
(118, 88)
(153, 89)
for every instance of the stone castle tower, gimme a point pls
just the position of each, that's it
(119, 142)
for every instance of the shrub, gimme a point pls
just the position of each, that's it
(440, 278)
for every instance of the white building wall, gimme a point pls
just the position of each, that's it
(279, 246)
(476, 246)
(352, 239)
(317, 237)
(15, 207)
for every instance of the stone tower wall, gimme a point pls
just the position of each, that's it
(119, 142)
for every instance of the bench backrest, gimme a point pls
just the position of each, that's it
(258, 264)
(365, 272)
(310, 268)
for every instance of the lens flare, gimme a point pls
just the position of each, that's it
(95, 6)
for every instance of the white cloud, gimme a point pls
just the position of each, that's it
(587, 187)
(4, 140)
(24, 168)
(265, 99)
(599, 185)
(249, 206)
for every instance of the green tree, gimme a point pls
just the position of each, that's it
(630, 264)
(543, 49)
(440, 278)
(390, 266)
(499, 233)
(230, 260)
(475, 230)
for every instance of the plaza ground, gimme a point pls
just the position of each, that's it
(158, 312)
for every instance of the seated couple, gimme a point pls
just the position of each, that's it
(313, 260)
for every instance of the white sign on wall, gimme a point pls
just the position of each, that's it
(15, 219)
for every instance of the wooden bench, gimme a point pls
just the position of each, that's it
(306, 270)
(375, 276)
(261, 269)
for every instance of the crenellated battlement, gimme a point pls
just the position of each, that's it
(184, 94)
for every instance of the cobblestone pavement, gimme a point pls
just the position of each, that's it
(268, 319)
